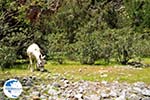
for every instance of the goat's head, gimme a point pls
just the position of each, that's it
(41, 61)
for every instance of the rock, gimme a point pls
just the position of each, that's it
(24, 79)
(104, 94)
(26, 88)
(103, 75)
(43, 70)
(92, 97)
(66, 81)
(104, 82)
(134, 97)
(55, 84)
(43, 97)
(136, 90)
(52, 92)
(78, 96)
(120, 98)
(53, 98)
(87, 98)
(35, 94)
(146, 92)
(80, 70)
(28, 83)
(140, 85)
(34, 78)
(113, 93)
(146, 98)
(122, 95)
(35, 98)
(80, 89)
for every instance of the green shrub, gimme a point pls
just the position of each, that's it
(7, 57)
(88, 48)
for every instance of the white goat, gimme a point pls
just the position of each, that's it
(33, 52)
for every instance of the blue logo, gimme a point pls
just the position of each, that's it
(12, 88)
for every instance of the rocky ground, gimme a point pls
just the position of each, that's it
(56, 87)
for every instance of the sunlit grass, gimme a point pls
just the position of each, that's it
(75, 71)
(100, 72)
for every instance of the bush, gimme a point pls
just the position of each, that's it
(88, 48)
(7, 57)
(57, 47)
(124, 45)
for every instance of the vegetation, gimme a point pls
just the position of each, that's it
(85, 31)
(75, 71)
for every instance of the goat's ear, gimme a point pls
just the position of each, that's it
(43, 57)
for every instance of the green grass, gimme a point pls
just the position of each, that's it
(99, 73)
(75, 71)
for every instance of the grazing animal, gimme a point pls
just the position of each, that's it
(33, 52)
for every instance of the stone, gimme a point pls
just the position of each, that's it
(104, 82)
(80, 70)
(80, 89)
(34, 78)
(113, 93)
(28, 83)
(35, 98)
(26, 88)
(103, 75)
(35, 94)
(139, 85)
(79, 96)
(43, 97)
(53, 98)
(146, 92)
(137, 90)
(66, 81)
(134, 97)
(146, 98)
(120, 98)
(52, 91)
(87, 98)
(104, 95)
(55, 84)
(122, 95)
(92, 97)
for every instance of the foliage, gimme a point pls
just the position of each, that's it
(57, 47)
(124, 43)
(138, 11)
(79, 30)
(7, 57)
(88, 48)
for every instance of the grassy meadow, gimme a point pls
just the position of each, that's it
(75, 71)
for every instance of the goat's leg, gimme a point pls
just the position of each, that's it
(37, 66)
(31, 65)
